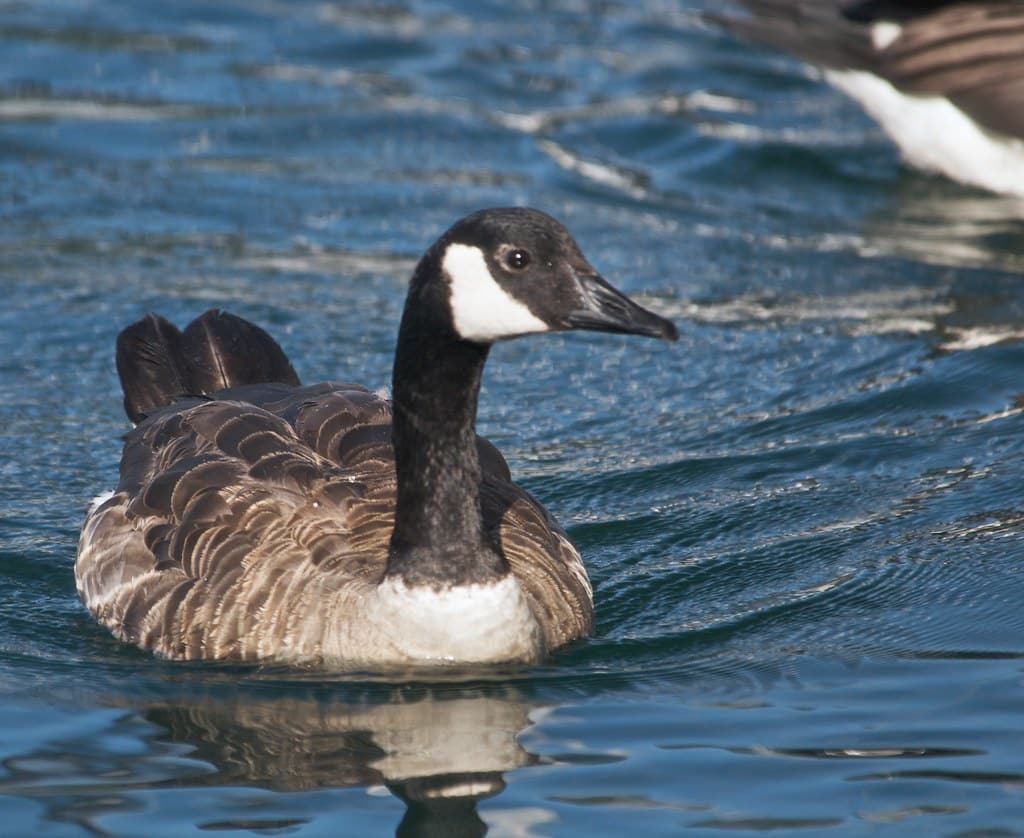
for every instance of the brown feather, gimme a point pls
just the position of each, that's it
(246, 526)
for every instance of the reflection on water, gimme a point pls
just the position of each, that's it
(439, 750)
(923, 223)
(936, 222)
(957, 313)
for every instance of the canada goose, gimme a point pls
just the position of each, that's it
(945, 80)
(259, 519)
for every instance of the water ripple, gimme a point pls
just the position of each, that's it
(803, 521)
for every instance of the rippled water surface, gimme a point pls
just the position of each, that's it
(803, 521)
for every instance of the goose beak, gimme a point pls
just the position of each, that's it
(606, 309)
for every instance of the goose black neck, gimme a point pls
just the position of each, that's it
(439, 538)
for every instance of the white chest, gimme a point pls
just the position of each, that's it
(473, 624)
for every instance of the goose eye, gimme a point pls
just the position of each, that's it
(517, 259)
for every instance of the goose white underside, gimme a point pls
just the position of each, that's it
(934, 135)
(470, 624)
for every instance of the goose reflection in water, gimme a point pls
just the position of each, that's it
(439, 750)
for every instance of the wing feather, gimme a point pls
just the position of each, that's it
(240, 522)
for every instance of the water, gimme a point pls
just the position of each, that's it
(803, 521)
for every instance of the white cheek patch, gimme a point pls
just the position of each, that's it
(481, 310)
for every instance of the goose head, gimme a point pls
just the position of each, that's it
(502, 273)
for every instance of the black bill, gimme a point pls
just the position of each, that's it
(606, 309)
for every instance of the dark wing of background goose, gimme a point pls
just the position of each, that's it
(964, 55)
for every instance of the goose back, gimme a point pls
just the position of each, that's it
(252, 523)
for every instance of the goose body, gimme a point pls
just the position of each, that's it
(943, 78)
(259, 519)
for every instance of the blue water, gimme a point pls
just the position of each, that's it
(803, 521)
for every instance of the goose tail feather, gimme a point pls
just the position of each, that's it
(158, 364)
